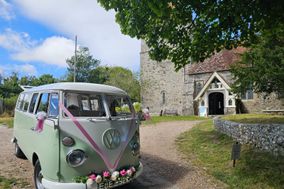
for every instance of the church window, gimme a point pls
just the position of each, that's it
(230, 102)
(215, 83)
(248, 94)
(198, 87)
(202, 103)
(163, 97)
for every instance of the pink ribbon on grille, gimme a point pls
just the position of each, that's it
(101, 153)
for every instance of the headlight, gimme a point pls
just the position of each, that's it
(76, 158)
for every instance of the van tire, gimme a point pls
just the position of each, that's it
(38, 176)
(18, 152)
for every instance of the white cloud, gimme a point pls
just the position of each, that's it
(6, 11)
(15, 41)
(28, 69)
(53, 50)
(95, 28)
(1, 71)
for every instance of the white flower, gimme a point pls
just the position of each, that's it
(114, 175)
(99, 179)
(113, 178)
(91, 184)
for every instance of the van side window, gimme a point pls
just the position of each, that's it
(27, 99)
(20, 99)
(33, 102)
(53, 105)
(43, 103)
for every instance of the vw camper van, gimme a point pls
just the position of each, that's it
(78, 136)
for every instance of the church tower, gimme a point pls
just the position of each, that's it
(162, 88)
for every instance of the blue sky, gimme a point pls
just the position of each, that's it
(37, 37)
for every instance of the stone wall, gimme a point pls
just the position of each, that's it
(262, 102)
(267, 137)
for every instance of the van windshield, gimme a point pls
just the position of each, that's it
(119, 106)
(84, 104)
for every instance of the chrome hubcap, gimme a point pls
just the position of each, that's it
(39, 181)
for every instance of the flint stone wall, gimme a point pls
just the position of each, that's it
(266, 137)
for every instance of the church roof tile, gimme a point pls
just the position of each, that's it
(220, 61)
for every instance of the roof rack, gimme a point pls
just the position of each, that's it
(26, 87)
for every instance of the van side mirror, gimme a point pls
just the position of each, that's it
(41, 116)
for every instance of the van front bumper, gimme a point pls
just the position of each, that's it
(58, 185)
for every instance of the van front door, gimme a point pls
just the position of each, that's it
(46, 135)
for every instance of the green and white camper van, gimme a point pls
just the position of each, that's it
(78, 136)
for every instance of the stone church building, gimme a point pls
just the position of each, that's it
(201, 89)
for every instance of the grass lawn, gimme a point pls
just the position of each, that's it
(9, 183)
(255, 118)
(158, 119)
(211, 150)
(154, 119)
(7, 121)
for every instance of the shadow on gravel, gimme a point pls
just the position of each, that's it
(158, 173)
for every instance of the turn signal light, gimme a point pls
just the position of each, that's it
(68, 141)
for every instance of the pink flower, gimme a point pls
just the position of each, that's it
(133, 169)
(106, 174)
(123, 172)
(129, 172)
(92, 176)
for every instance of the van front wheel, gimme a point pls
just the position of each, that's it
(38, 176)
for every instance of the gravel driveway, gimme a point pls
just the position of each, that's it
(163, 166)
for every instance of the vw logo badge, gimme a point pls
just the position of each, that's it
(111, 138)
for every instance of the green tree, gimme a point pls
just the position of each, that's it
(25, 80)
(84, 63)
(9, 104)
(34, 81)
(10, 86)
(262, 66)
(99, 75)
(119, 77)
(186, 31)
(126, 80)
(46, 79)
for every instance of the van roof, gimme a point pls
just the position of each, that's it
(78, 86)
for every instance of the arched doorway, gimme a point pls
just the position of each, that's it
(216, 103)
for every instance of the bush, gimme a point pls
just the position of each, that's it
(9, 105)
(137, 106)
